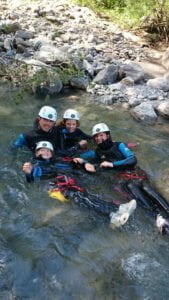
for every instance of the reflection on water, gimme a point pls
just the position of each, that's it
(50, 250)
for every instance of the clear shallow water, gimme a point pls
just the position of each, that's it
(50, 250)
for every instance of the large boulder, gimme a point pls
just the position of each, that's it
(49, 88)
(108, 75)
(161, 83)
(144, 112)
(133, 71)
(163, 109)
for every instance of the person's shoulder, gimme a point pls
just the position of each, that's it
(78, 130)
(55, 129)
(29, 133)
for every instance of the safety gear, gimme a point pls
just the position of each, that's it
(71, 114)
(109, 151)
(48, 112)
(98, 128)
(44, 144)
(56, 194)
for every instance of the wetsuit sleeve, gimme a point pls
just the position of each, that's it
(88, 155)
(129, 157)
(35, 174)
(84, 136)
(20, 142)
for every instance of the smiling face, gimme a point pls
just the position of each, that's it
(71, 125)
(101, 137)
(45, 124)
(44, 153)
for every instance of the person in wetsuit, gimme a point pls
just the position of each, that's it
(117, 156)
(43, 165)
(108, 154)
(71, 139)
(43, 129)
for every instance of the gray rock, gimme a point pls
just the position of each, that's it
(21, 41)
(144, 112)
(50, 89)
(8, 43)
(88, 67)
(89, 58)
(79, 82)
(24, 34)
(106, 100)
(163, 109)
(128, 81)
(161, 83)
(50, 54)
(134, 101)
(133, 71)
(108, 75)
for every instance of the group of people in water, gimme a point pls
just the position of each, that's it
(58, 144)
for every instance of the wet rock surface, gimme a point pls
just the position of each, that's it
(109, 60)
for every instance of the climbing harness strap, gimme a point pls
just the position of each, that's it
(129, 175)
(64, 183)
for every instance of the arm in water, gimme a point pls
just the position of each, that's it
(84, 158)
(129, 159)
(20, 141)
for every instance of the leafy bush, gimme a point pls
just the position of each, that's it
(129, 13)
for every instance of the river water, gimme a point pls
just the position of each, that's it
(52, 250)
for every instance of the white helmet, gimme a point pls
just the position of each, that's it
(71, 114)
(98, 128)
(44, 144)
(48, 112)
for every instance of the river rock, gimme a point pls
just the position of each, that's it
(133, 71)
(163, 109)
(50, 89)
(108, 75)
(88, 67)
(79, 82)
(24, 34)
(21, 41)
(144, 112)
(161, 83)
(50, 54)
(8, 43)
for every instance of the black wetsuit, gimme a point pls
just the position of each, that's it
(68, 142)
(32, 137)
(116, 152)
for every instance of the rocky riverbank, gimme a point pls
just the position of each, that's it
(57, 43)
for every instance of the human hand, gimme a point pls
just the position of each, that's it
(78, 160)
(27, 168)
(90, 168)
(106, 164)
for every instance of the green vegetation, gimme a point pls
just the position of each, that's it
(25, 78)
(132, 13)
